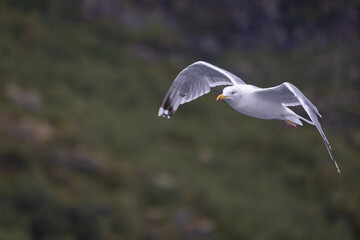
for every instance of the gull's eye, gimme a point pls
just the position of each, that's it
(233, 92)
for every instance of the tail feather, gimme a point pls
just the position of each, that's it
(304, 119)
(296, 120)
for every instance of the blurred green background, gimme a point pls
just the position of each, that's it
(83, 154)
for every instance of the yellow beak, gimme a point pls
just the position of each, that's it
(220, 97)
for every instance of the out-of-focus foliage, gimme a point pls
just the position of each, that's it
(83, 154)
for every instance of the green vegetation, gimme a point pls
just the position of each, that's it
(83, 154)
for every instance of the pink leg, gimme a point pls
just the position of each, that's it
(290, 123)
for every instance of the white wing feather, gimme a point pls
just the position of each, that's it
(193, 82)
(289, 95)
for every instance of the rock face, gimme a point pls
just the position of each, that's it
(238, 23)
(26, 129)
(80, 159)
(28, 98)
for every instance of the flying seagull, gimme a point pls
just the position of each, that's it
(263, 103)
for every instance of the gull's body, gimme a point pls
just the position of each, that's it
(251, 106)
(254, 103)
(263, 103)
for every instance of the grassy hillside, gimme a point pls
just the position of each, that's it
(83, 154)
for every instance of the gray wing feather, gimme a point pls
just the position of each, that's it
(193, 82)
(289, 95)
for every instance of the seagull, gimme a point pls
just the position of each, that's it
(263, 103)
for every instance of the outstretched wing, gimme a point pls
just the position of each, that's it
(193, 82)
(289, 95)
